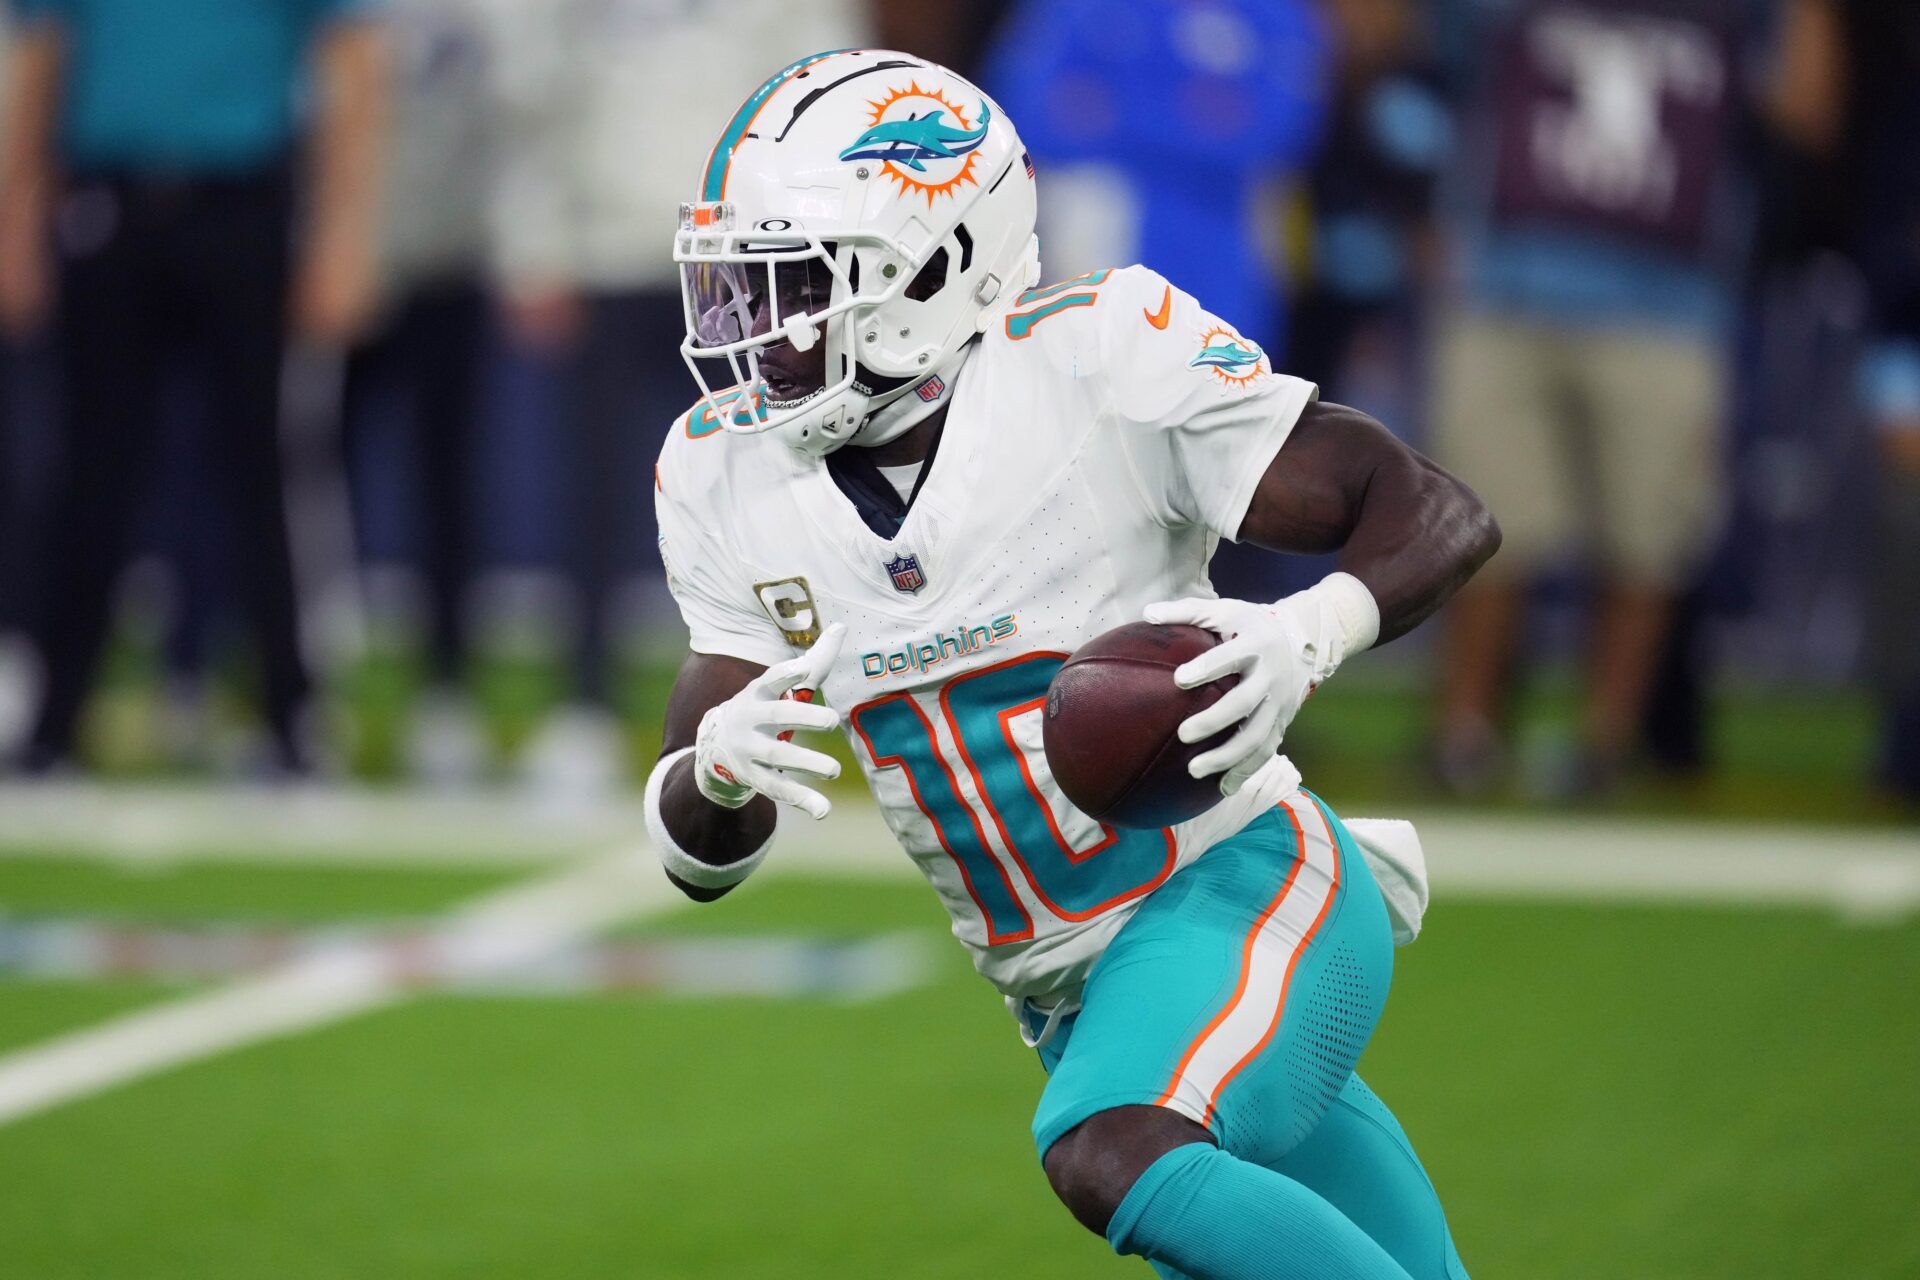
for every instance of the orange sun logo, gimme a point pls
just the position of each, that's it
(1229, 357)
(924, 142)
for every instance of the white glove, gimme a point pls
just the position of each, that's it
(739, 751)
(1280, 652)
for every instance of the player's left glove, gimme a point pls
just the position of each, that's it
(1280, 652)
(743, 748)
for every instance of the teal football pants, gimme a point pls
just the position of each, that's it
(1241, 995)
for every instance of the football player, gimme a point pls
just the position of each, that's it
(921, 480)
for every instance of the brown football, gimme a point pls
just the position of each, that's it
(1111, 728)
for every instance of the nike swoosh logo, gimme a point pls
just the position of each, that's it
(1159, 320)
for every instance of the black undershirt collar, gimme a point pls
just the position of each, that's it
(871, 493)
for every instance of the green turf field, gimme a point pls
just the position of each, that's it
(1599, 1091)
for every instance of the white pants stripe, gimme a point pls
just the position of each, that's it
(1278, 938)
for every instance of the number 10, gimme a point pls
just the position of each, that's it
(984, 711)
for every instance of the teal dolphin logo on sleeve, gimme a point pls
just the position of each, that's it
(1230, 355)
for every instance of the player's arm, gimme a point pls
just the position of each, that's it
(712, 834)
(1409, 535)
(711, 802)
(1408, 530)
(337, 284)
(33, 73)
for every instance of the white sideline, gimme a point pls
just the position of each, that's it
(1863, 872)
(304, 823)
(499, 931)
(1866, 876)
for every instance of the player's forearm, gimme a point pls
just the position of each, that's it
(681, 819)
(1419, 536)
(26, 145)
(711, 833)
(349, 138)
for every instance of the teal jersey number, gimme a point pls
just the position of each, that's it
(980, 710)
(1021, 324)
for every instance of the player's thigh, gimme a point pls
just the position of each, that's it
(1359, 1159)
(1655, 403)
(1239, 995)
(1499, 423)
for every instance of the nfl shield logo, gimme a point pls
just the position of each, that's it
(932, 389)
(905, 571)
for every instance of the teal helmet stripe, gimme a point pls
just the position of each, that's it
(716, 179)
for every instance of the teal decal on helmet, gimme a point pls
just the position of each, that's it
(917, 139)
(715, 185)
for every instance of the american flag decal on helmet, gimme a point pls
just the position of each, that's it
(932, 389)
(1026, 158)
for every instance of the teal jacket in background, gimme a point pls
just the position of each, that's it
(185, 86)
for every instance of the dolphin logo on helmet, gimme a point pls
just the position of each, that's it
(790, 248)
(917, 139)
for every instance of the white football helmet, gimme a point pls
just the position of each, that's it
(869, 200)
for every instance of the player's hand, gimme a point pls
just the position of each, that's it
(1281, 652)
(1267, 648)
(739, 752)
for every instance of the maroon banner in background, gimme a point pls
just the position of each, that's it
(1616, 117)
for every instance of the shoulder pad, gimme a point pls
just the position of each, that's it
(695, 452)
(1072, 306)
(1074, 322)
(701, 422)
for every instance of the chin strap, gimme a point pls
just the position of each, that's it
(913, 404)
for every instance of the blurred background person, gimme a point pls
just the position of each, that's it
(414, 391)
(1883, 120)
(153, 152)
(1168, 132)
(1159, 125)
(1369, 200)
(1596, 224)
(17, 664)
(586, 209)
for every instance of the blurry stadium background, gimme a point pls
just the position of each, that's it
(329, 941)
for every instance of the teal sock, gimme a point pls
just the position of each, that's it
(1211, 1216)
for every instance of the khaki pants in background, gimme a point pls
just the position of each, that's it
(1603, 440)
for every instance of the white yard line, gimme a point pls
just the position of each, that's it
(1864, 875)
(501, 931)
(1858, 871)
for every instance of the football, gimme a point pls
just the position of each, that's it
(1111, 727)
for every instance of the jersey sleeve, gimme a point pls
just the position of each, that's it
(1200, 410)
(722, 615)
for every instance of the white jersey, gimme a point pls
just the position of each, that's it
(1097, 446)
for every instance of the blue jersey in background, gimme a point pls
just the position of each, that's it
(1183, 109)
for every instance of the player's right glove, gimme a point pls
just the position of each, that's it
(740, 750)
(1280, 652)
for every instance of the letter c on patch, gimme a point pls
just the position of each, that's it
(789, 602)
